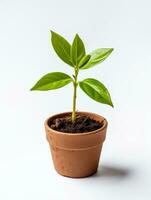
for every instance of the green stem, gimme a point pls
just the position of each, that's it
(74, 94)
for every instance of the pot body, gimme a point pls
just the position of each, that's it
(76, 155)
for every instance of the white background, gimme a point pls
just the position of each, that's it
(26, 169)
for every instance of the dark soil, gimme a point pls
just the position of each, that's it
(82, 124)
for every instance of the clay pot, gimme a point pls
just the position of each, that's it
(76, 155)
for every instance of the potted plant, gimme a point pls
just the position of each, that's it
(76, 138)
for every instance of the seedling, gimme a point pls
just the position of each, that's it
(75, 56)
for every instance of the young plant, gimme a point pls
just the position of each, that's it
(75, 56)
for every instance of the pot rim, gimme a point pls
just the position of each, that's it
(76, 134)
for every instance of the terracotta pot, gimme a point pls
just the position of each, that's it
(76, 155)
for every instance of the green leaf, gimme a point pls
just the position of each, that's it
(97, 56)
(96, 90)
(52, 81)
(77, 50)
(61, 47)
(84, 60)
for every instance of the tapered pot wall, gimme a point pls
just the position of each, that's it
(76, 155)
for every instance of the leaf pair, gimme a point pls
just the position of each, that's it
(71, 55)
(75, 54)
(92, 87)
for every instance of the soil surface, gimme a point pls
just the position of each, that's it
(82, 124)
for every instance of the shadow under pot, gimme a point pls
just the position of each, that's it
(76, 155)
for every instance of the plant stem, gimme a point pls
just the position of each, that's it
(74, 94)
